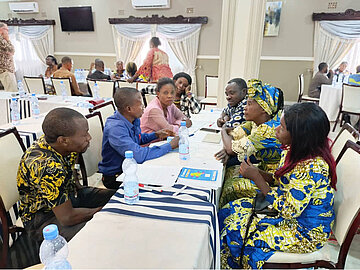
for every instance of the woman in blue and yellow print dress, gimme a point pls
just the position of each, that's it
(303, 199)
(255, 137)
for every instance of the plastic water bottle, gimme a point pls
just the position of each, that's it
(21, 89)
(184, 153)
(14, 112)
(96, 92)
(131, 182)
(63, 90)
(54, 249)
(35, 110)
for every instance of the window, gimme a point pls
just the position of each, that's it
(174, 62)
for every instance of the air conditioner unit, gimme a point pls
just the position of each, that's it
(150, 4)
(24, 7)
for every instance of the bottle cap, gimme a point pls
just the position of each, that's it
(129, 154)
(61, 82)
(96, 84)
(33, 94)
(183, 123)
(14, 98)
(50, 232)
(211, 110)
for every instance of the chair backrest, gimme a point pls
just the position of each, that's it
(107, 109)
(126, 84)
(149, 98)
(346, 133)
(57, 85)
(211, 85)
(301, 86)
(142, 85)
(350, 98)
(92, 156)
(106, 88)
(12, 148)
(35, 85)
(347, 199)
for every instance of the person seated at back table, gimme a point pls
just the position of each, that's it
(161, 112)
(122, 133)
(65, 72)
(323, 76)
(120, 72)
(354, 79)
(98, 74)
(184, 99)
(233, 114)
(51, 62)
(47, 182)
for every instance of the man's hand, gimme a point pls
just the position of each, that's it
(222, 156)
(92, 65)
(175, 142)
(164, 133)
(220, 122)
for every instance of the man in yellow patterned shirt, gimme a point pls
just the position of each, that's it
(49, 192)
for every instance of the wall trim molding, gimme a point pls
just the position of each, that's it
(286, 58)
(215, 57)
(212, 57)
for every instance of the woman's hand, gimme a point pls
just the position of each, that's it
(131, 80)
(188, 122)
(188, 91)
(248, 170)
(220, 122)
(222, 156)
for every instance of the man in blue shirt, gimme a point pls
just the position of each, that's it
(122, 133)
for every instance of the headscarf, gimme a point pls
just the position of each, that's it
(265, 95)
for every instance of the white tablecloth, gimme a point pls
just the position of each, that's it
(161, 231)
(330, 99)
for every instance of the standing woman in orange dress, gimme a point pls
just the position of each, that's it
(155, 66)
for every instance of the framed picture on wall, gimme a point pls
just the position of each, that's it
(272, 18)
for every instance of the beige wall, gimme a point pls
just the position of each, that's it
(297, 28)
(101, 40)
(284, 74)
(295, 41)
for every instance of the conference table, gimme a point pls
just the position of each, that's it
(330, 99)
(174, 225)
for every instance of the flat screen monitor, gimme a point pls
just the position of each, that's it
(76, 19)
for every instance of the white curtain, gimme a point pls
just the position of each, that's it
(333, 40)
(32, 45)
(184, 41)
(129, 39)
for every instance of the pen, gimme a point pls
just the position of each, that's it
(211, 124)
(192, 134)
(146, 187)
(181, 190)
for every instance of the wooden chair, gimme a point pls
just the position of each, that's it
(106, 88)
(347, 217)
(57, 85)
(211, 86)
(107, 109)
(147, 97)
(346, 133)
(350, 102)
(301, 96)
(12, 148)
(120, 83)
(90, 159)
(35, 85)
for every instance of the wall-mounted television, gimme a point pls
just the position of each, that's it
(76, 19)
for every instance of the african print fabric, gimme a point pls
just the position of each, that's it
(304, 200)
(44, 180)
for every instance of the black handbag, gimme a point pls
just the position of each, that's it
(261, 206)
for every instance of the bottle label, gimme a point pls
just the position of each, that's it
(183, 149)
